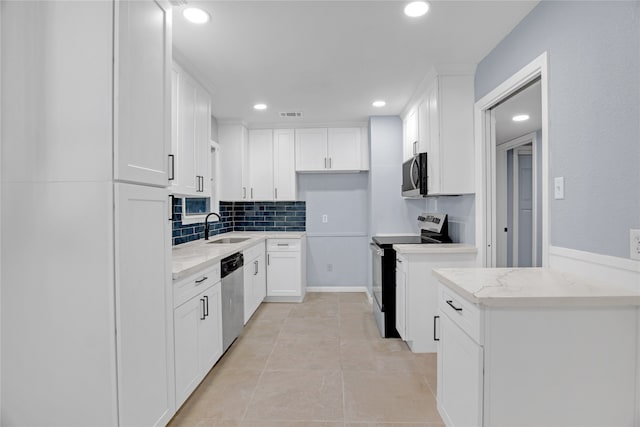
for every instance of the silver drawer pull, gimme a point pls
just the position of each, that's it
(201, 279)
(283, 244)
(450, 302)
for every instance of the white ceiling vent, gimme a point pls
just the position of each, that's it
(291, 114)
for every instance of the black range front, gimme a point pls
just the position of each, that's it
(384, 281)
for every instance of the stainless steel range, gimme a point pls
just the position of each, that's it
(434, 229)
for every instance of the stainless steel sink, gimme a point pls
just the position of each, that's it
(229, 240)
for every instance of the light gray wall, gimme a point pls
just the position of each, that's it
(214, 129)
(342, 242)
(389, 212)
(461, 214)
(594, 113)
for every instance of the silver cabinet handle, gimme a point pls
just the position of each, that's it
(283, 244)
(172, 167)
(252, 193)
(255, 263)
(329, 162)
(268, 260)
(244, 192)
(203, 309)
(276, 191)
(325, 162)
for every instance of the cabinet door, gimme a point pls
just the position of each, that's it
(344, 149)
(142, 91)
(284, 164)
(186, 319)
(144, 306)
(259, 282)
(460, 375)
(203, 138)
(423, 127)
(261, 164)
(283, 274)
(249, 271)
(233, 140)
(401, 292)
(210, 329)
(433, 143)
(186, 155)
(411, 123)
(175, 120)
(311, 150)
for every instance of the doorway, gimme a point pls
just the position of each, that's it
(512, 227)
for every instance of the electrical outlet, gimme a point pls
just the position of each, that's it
(558, 188)
(325, 218)
(634, 244)
(329, 267)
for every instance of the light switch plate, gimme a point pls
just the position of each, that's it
(325, 219)
(634, 244)
(558, 188)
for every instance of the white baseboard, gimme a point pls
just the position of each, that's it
(341, 289)
(616, 271)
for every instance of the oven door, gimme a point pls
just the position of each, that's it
(377, 254)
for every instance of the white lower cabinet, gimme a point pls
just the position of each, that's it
(286, 275)
(536, 365)
(416, 294)
(255, 279)
(198, 330)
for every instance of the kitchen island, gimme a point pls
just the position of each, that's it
(536, 347)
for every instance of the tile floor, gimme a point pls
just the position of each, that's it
(320, 363)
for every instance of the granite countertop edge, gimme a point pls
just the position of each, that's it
(441, 248)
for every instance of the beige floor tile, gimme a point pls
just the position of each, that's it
(352, 297)
(347, 309)
(388, 397)
(428, 366)
(272, 310)
(218, 423)
(394, 425)
(359, 326)
(384, 355)
(297, 396)
(291, 424)
(329, 297)
(263, 328)
(247, 353)
(310, 327)
(315, 309)
(223, 395)
(305, 353)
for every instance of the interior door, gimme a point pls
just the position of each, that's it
(523, 211)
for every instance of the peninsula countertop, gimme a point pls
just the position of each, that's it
(440, 248)
(533, 287)
(188, 258)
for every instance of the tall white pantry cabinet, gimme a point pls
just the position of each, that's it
(86, 337)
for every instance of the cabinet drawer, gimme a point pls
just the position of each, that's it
(253, 252)
(188, 288)
(283, 245)
(463, 313)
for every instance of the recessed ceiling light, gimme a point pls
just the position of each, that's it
(379, 104)
(260, 106)
(520, 118)
(416, 9)
(195, 15)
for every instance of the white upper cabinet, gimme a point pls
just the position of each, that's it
(142, 92)
(190, 171)
(441, 124)
(261, 164)
(234, 169)
(284, 164)
(331, 150)
(311, 150)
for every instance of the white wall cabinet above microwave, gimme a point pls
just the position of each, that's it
(190, 136)
(441, 124)
(331, 150)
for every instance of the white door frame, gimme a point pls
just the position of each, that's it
(515, 235)
(501, 196)
(486, 157)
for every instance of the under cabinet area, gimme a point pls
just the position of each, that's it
(198, 329)
(441, 125)
(331, 150)
(255, 279)
(189, 168)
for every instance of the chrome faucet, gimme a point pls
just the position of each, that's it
(206, 224)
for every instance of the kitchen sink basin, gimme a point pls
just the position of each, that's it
(229, 240)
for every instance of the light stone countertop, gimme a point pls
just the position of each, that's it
(440, 248)
(191, 257)
(533, 287)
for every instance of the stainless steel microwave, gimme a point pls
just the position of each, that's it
(414, 176)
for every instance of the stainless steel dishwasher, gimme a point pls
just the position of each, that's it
(232, 275)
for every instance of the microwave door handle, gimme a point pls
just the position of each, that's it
(413, 165)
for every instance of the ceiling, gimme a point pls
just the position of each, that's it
(528, 102)
(331, 59)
